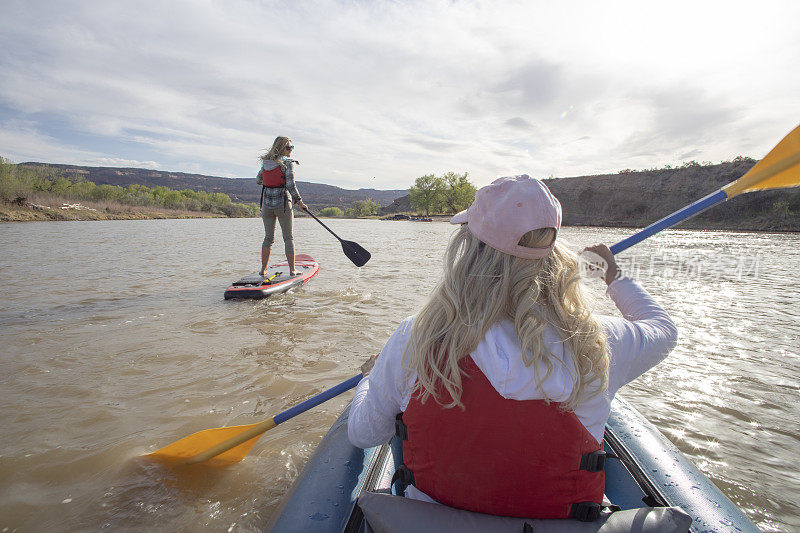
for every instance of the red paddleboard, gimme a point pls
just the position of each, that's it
(275, 281)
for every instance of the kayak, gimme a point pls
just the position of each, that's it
(651, 475)
(275, 280)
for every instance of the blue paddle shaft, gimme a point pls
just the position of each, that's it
(689, 211)
(316, 400)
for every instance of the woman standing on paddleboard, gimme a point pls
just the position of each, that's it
(501, 386)
(278, 192)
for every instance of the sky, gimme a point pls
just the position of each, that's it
(375, 94)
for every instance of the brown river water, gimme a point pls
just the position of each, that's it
(116, 341)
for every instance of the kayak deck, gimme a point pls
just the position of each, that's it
(652, 473)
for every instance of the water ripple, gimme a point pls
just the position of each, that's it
(138, 349)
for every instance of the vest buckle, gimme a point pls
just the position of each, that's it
(594, 461)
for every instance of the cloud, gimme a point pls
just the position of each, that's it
(118, 162)
(680, 117)
(394, 90)
(532, 86)
(519, 122)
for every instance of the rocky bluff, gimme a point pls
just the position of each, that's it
(636, 199)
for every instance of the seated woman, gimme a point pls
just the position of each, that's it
(501, 386)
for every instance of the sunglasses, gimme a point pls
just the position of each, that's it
(290, 147)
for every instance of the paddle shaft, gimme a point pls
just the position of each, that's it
(354, 251)
(323, 224)
(689, 211)
(265, 426)
(318, 399)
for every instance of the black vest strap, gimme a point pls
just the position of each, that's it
(590, 511)
(404, 475)
(585, 511)
(595, 461)
(400, 429)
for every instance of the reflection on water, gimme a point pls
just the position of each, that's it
(117, 341)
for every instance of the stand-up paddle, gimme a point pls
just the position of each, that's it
(354, 252)
(780, 168)
(228, 445)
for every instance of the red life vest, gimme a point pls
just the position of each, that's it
(502, 457)
(273, 178)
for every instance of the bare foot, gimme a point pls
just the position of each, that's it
(295, 272)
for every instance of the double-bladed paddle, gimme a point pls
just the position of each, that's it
(358, 255)
(228, 445)
(780, 168)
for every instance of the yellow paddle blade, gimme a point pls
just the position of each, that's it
(779, 168)
(218, 446)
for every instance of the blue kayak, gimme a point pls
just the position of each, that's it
(651, 472)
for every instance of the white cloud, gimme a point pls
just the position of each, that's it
(396, 90)
(118, 162)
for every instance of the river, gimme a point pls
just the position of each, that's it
(116, 341)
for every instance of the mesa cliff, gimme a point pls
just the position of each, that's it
(638, 198)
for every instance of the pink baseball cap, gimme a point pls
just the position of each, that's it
(508, 209)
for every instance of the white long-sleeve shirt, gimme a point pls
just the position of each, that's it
(636, 343)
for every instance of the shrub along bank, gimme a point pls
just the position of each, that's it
(42, 193)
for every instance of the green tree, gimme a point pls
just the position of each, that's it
(173, 199)
(331, 212)
(59, 186)
(11, 186)
(459, 192)
(82, 190)
(427, 193)
(108, 192)
(220, 198)
(365, 208)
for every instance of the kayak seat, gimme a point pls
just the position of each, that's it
(388, 514)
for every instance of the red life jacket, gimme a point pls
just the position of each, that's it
(273, 178)
(502, 457)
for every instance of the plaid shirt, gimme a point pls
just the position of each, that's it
(275, 197)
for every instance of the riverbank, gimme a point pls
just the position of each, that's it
(59, 210)
(782, 223)
(63, 211)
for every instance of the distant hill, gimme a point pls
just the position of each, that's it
(627, 198)
(244, 190)
(638, 198)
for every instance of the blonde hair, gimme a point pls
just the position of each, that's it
(482, 286)
(276, 152)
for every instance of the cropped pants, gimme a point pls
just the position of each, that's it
(285, 217)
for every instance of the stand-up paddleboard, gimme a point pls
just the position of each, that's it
(275, 281)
